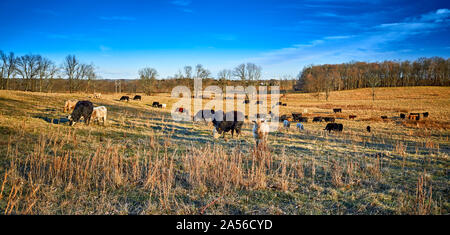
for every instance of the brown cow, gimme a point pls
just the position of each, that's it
(70, 105)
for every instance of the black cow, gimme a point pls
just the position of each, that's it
(125, 98)
(137, 97)
(82, 109)
(284, 104)
(384, 117)
(231, 121)
(425, 114)
(334, 127)
(155, 104)
(317, 119)
(337, 110)
(329, 119)
(402, 116)
(284, 117)
(351, 116)
(368, 129)
(203, 115)
(296, 117)
(303, 119)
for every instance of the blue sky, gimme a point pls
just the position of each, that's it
(281, 36)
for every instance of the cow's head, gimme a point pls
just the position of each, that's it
(71, 121)
(216, 132)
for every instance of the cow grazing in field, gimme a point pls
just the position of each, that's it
(97, 95)
(99, 113)
(231, 121)
(425, 115)
(334, 127)
(204, 115)
(337, 110)
(317, 119)
(402, 116)
(303, 119)
(137, 97)
(296, 116)
(123, 98)
(284, 117)
(260, 131)
(70, 105)
(82, 109)
(284, 104)
(329, 119)
(351, 116)
(368, 129)
(300, 126)
(155, 104)
(161, 106)
(384, 117)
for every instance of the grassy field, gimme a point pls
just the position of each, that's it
(143, 162)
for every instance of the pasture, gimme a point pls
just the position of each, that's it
(143, 162)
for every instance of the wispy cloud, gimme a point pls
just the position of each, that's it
(117, 18)
(182, 3)
(373, 43)
(338, 37)
(104, 48)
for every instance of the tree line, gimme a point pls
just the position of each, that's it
(34, 72)
(432, 71)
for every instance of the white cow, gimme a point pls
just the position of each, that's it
(99, 113)
(260, 131)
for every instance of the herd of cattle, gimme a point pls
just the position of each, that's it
(222, 122)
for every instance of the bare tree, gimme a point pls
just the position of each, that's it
(373, 78)
(148, 77)
(253, 72)
(247, 72)
(90, 76)
(70, 68)
(240, 72)
(47, 70)
(201, 72)
(224, 76)
(28, 68)
(187, 72)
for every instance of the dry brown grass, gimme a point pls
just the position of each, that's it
(142, 162)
